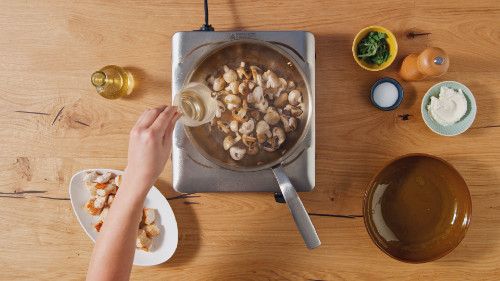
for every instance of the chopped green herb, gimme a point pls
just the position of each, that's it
(373, 48)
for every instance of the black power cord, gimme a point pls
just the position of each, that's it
(206, 26)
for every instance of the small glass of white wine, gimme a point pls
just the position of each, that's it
(196, 103)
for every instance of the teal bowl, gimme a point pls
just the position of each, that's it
(463, 124)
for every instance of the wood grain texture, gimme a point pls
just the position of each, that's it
(49, 49)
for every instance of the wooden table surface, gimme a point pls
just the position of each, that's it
(49, 49)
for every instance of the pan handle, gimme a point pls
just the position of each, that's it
(299, 213)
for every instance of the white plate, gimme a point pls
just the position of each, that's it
(163, 246)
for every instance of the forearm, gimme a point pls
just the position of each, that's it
(115, 246)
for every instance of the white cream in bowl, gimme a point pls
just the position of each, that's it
(449, 107)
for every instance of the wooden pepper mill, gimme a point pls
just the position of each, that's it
(432, 62)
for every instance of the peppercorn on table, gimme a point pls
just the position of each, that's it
(53, 124)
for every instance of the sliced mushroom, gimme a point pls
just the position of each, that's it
(233, 87)
(256, 75)
(281, 101)
(256, 71)
(272, 80)
(251, 144)
(247, 127)
(279, 134)
(263, 130)
(234, 126)
(256, 96)
(232, 101)
(269, 93)
(255, 114)
(229, 74)
(229, 141)
(294, 97)
(248, 140)
(291, 110)
(251, 85)
(219, 84)
(242, 72)
(272, 117)
(262, 106)
(223, 127)
(289, 123)
(220, 108)
(291, 85)
(237, 153)
(271, 144)
(240, 115)
(243, 89)
(281, 88)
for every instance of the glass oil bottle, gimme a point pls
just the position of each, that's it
(112, 82)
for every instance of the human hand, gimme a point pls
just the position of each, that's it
(149, 147)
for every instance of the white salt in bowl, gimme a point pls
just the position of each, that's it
(379, 102)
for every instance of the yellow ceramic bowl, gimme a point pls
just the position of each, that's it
(391, 40)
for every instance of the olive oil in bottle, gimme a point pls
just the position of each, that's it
(112, 82)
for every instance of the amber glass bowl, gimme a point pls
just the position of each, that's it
(417, 208)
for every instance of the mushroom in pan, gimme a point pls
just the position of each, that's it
(223, 127)
(242, 72)
(291, 110)
(274, 142)
(271, 144)
(282, 87)
(251, 85)
(243, 88)
(229, 75)
(233, 126)
(279, 134)
(220, 108)
(289, 123)
(247, 127)
(272, 80)
(219, 84)
(262, 106)
(229, 141)
(232, 101)
(294, 97)
(256, 96)
(255, 114)
(282, 100)
(256, 76)
(251, 143)
(233, 87)
(271, 117)
(240, 115)
(237, 153)
(263, 131)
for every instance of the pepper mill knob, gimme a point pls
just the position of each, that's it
(431, 62)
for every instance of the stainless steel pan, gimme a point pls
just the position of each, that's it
(208, 142)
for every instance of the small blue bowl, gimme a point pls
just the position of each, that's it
(400, 93)
(463, 124)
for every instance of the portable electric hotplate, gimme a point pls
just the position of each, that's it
(192, 172)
